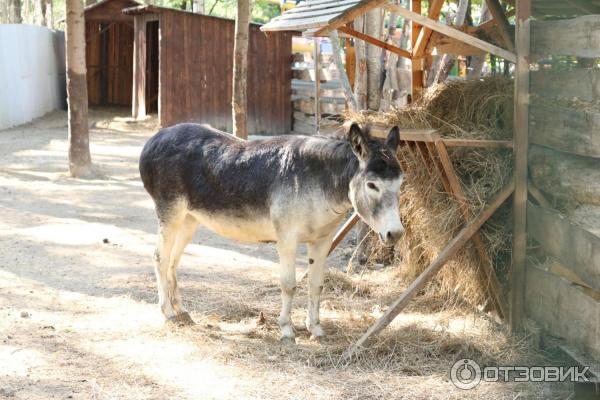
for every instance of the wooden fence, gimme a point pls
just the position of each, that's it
(331, 100)
(196, 73)
(563, 274)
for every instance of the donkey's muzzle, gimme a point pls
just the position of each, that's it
(392, 237)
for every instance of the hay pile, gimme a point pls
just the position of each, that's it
(457, 109)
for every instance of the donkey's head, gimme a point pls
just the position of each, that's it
(374, 190)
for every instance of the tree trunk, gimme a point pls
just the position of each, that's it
(373, 29)
(198, 6)
(49, 14)
(14, 12)
(360, 78)
(389, 63)
(240, 70)
(448, 60)
(477, 62)
(41, 4)
(79, 141)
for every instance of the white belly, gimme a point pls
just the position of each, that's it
(253, 230)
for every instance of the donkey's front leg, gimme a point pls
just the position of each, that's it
(287, 270)
(317, 252)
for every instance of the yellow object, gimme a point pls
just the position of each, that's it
(302, 47)
(287, 6)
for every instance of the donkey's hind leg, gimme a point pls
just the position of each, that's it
(286, 247)
(184, 236)
(169, 223)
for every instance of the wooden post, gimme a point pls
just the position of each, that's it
(337, 56)
(416, 63)
(343, 231)
(489, 278)
(521, 124)
(502, 23)
(317, 62)
(138, 98)
(104, 64)
(453, 246)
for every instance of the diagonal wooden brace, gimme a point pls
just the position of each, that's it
(453, 246)
(489, 277)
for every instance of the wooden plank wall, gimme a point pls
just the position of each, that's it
(196, 66)
(563, 279)
(114, 88)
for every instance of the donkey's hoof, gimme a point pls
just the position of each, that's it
(316, 332)
(287, 341)
(182, 319)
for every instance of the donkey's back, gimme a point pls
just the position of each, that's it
(244, 189)
(210, 169)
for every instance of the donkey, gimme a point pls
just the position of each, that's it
(286, 189)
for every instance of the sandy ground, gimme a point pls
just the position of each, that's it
(78, 314)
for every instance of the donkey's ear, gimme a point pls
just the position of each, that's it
(393, 138)
(359, 141)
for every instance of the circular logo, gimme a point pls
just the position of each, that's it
(465, 374)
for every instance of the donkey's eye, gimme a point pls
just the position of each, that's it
(372, 186)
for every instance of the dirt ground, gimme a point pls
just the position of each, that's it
(78, 313)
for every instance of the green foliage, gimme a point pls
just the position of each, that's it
(262, 10)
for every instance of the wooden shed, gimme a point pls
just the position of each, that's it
(187, 74)
(109, 52)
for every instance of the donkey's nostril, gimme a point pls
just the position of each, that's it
(389, 236)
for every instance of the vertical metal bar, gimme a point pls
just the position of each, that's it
(520, 148)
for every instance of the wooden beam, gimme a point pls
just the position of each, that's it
(569, 129)
(502, 22)
(343, 231)
(435, 8)
(576, 248)
(489, 277)
(489, 144)
(416, 65)
(563, 309)
(569, 37)
(443, 44)
(583, 83)
(369, 39)
(452, 32)
(337, 56)
(453, 246)
(430, 136)
(521, 146)
(538, 195)
(492, 22)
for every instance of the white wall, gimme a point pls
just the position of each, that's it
(32, 73)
